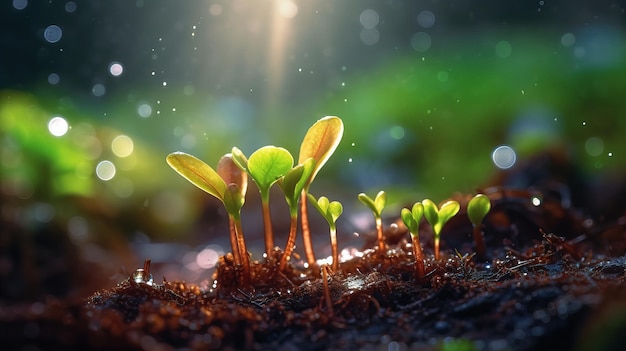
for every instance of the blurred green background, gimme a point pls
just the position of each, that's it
(94, 95)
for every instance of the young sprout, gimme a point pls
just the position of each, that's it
(292, 184)
(230, 189)
(376, 206)
(265, 166)
(439, 217)
(330, 211)
(477, 209)
(411, 219)
(319, 143)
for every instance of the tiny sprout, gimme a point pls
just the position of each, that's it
(411, 219)
(477, 209)
(319, 143)
(292, 184)
(331, 212)
(265, 166)
(439, 217)
(231, 194)
(376, 206)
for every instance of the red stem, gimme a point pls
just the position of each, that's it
(306, 232)
(291, 242)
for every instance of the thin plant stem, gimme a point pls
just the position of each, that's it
(436, 240)
(379, 231)
(233, 241)
(480, 242)
(267, 226)
(329, 302)
(291, 242)
(243, 253)
(306, 231)
(419, 258)
(333, 245)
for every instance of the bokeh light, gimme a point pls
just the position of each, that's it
(504, 157)
(122, 146)
(58, 126)
(369, 18)
(20, 4)
(105, 170)
(52, 33)
(426, 19)
(116, 69)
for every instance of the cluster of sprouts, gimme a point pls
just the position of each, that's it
(271, 165)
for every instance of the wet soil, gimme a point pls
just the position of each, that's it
(552, 279)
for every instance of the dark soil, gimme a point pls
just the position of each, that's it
(553, 279)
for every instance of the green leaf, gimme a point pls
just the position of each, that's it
(240, 159)
(294, 181)
(417, 211)
(447, 211)
(268, 164)
(376, 205)
(335, 209)
(198, 173)
(320, 142)
(329, 210)
(367, 201)
(408, 220)
(477, 208)
(380, 201)
(234, 200)
(411, 218)
(430, 212)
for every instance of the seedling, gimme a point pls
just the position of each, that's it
(319, 143)
(439, 217)
(411, 219)
(376, 206)
(477, 209)
(265, 167)
(331, 212)
(231, 194)
(292, 184)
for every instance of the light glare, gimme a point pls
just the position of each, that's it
(58, 126)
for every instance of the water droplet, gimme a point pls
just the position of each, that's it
(141, 277)
(350, 160)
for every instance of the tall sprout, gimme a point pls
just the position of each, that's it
(319, 143)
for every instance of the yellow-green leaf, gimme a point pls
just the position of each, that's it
(198, 173)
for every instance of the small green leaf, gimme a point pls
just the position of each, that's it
(417, 211)
(329, 210)
(430, 212)
(367, 201)
(477, 208)
(380, 201)
(320, 142)
(377, 204)
(234, 200)
(411, 218)
(198, 173)
(335, 209)
(268, 164)
(448, 210)
(239, 159)
(409, 221)
(294, 181)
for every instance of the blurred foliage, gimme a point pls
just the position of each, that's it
(429, 124)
